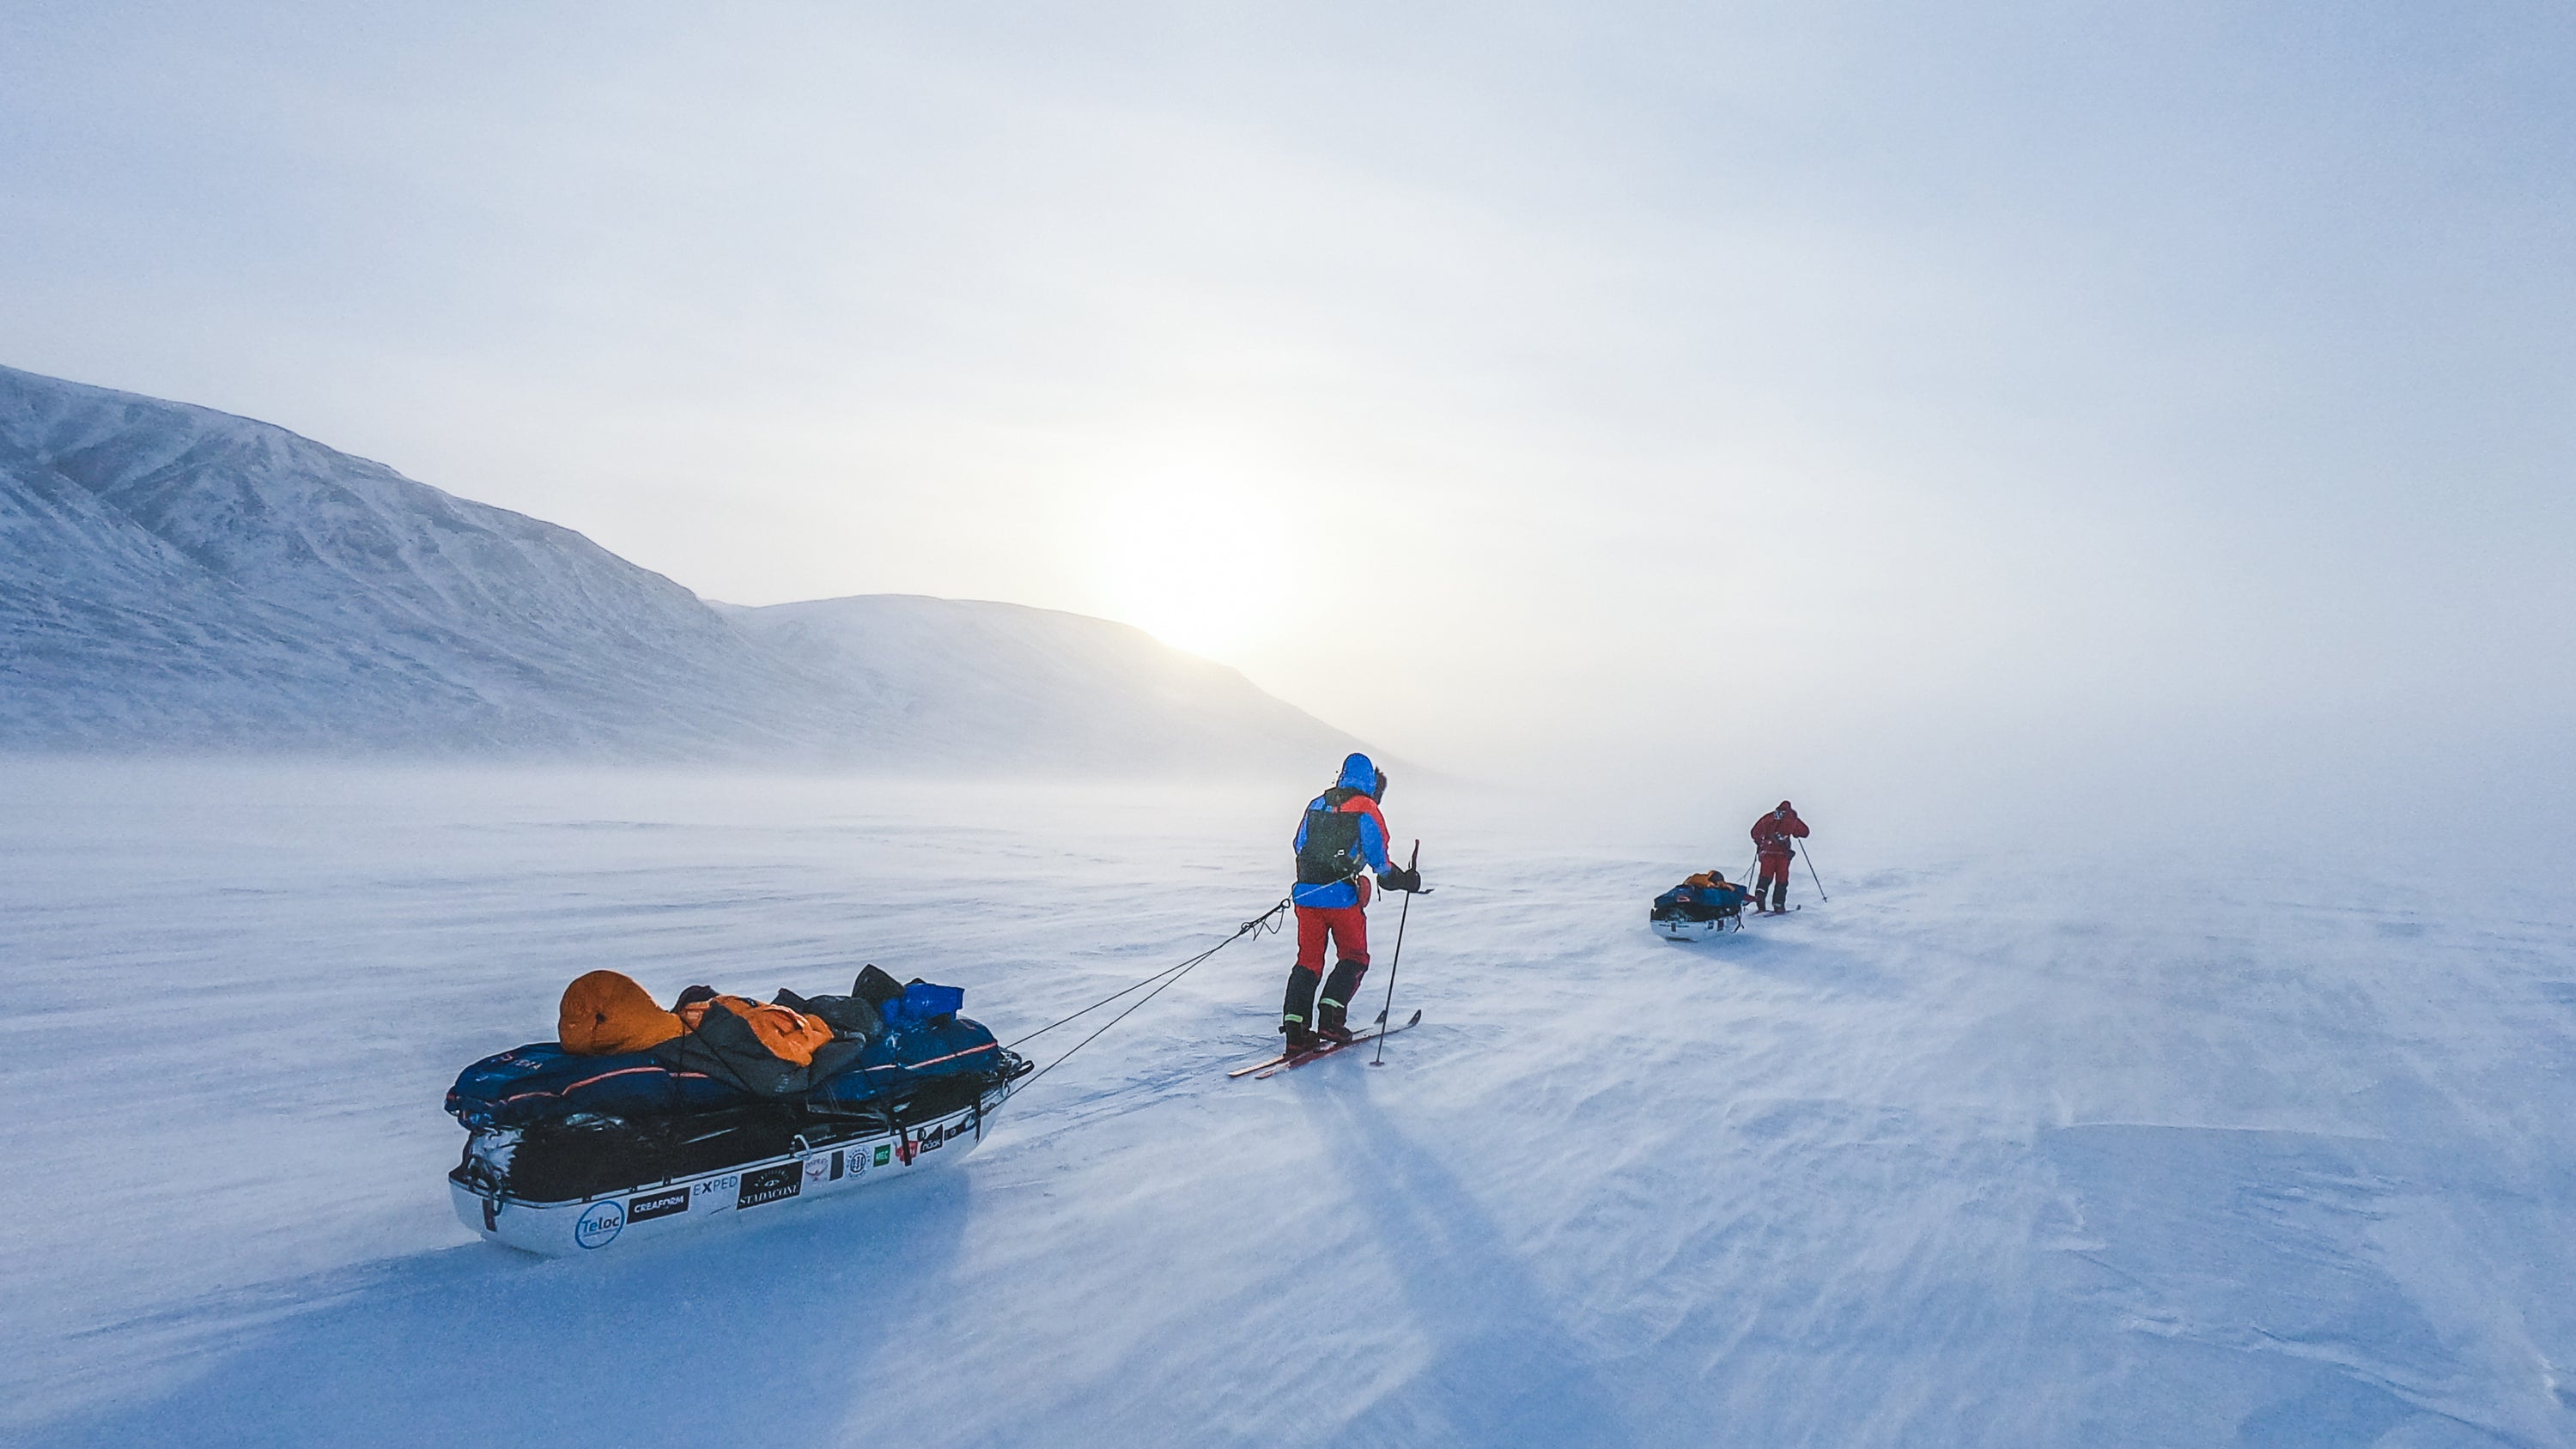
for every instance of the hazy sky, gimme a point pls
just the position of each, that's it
(1678, 396)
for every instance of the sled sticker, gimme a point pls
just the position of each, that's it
(657, 1205)
(771, 1184)
(885, 1154)
(817, 1169)
(717, 1186)
(836, 1164)
(600, 1225)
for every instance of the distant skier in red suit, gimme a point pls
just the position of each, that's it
(1775, 838)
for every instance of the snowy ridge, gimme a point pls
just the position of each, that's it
(175, 577)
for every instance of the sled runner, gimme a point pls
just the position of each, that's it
(571, 1150)
(1676, 928)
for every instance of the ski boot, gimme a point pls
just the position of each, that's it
(1333, 1016)
(1298, 1008)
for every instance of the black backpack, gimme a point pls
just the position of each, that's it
(1332, 849)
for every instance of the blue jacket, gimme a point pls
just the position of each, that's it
(1359, 773)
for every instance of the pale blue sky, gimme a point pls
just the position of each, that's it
(1875, 393)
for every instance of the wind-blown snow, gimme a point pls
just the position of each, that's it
(1046, 689)
(1988, 1151)
(174, 577)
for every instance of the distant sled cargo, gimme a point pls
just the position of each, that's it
(571, 1151)
(1703, 906)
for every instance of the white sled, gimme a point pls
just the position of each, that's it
(558, 1229)
(1678, 930)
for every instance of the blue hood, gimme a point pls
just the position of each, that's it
(1358, 773)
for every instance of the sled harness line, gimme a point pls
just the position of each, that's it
(1268, 920)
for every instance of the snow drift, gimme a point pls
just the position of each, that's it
(175, 577)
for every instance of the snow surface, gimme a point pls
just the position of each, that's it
(175, 577)
(1991, 1150)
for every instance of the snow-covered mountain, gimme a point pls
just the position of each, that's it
(176, 577)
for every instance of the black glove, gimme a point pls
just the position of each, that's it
(1400, 879)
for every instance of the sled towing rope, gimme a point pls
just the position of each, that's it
(1269, 920)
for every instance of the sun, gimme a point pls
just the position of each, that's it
(1193, 559)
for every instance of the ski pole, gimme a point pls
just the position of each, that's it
(1811, 873)
(1386, 1014)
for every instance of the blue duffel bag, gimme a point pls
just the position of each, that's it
(922, 1003)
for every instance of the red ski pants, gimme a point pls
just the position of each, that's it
(1775, 877)
(1346, 925)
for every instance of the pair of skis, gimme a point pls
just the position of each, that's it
(1272, 1066)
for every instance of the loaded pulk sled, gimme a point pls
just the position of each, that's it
(638, 1122)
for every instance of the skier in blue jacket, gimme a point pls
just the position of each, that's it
(1341, 837)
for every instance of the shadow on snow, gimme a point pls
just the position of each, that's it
(672, 1343)
(1502, 1371)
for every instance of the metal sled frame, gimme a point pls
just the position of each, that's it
(648, 1210)
(1680, 930)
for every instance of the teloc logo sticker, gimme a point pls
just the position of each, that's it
(600, 1225)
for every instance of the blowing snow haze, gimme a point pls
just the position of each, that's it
(1976, 412)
